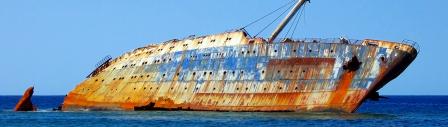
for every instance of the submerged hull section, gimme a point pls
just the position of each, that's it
(231, 72)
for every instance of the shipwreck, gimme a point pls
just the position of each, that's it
(233, 71)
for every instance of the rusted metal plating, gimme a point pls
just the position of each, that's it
(231, 72)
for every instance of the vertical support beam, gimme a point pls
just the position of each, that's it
(286, 20)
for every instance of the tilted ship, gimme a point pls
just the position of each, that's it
(232, 71)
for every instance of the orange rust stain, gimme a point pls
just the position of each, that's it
(305, 67)
(219, 102)
(338, 96)
(301, 61)
(165, 102)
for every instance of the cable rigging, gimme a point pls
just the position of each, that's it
(270, 13)
(292, 27)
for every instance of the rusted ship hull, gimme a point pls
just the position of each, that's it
(233, 72)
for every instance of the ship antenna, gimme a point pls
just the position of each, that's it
(286, 20)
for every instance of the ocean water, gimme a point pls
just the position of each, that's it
(395, 111)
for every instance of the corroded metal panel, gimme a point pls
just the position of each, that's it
(231, 72)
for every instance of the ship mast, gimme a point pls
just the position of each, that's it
(286, 20)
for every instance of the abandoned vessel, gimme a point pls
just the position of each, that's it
(232, 71)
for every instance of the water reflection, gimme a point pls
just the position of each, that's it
(185, 115)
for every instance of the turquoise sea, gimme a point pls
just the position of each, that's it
(394, 111)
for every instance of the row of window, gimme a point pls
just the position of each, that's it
(295, 50)
(186, 45)
(196, 89)
(237, 89)
(204, 73)
(208, 55)
(227, 39)
(163, 61)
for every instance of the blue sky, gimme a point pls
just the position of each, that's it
(54, 44)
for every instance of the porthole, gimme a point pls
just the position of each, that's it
(225, 72)
(383, 59)
(194, 73)
(275, 50)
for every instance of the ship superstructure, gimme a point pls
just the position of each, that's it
(232, 71)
